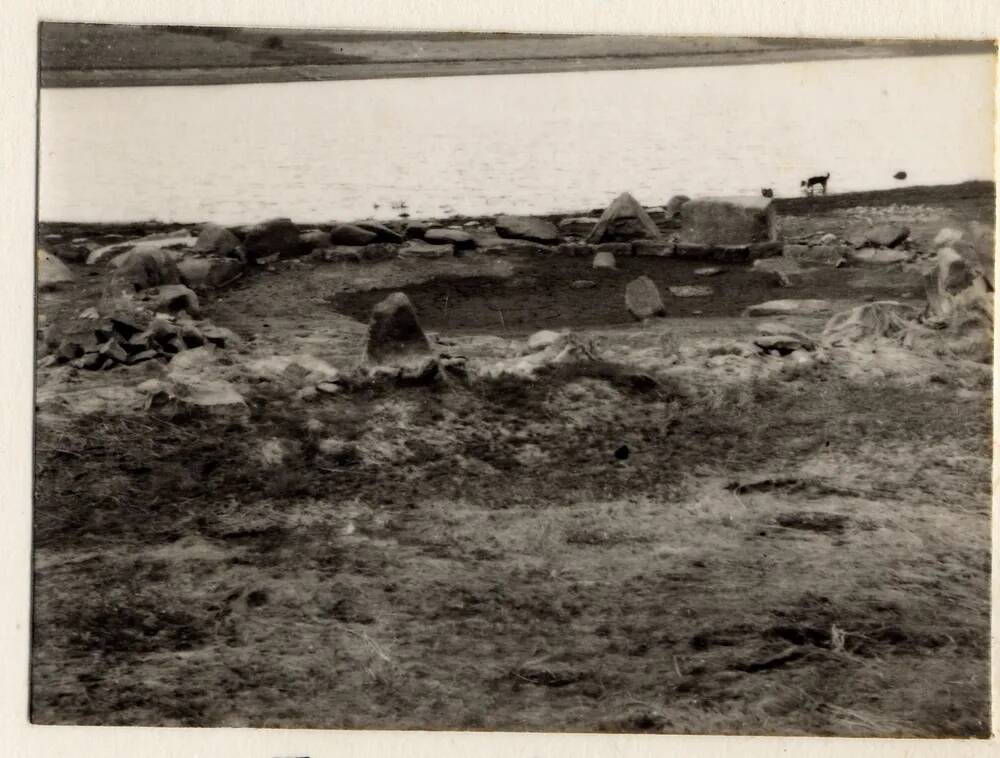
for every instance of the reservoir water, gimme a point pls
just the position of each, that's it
(532, 143)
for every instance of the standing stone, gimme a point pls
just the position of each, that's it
(215, 239)
(349, 234)
(604, 259)
(642, 299)
(527, 228)
(623, 221)
(394, 334)
(275, 236)
(727, 220)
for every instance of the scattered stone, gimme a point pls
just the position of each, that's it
(653, 248)
(690, 290)
(624, 220)
(828, 239)
(216, 239)
(887, 235)
(350, 234)
(418, 249)
(708, 271)
(460, 240)
(886, 318)
(642, 299)
(604, 259)
(727, 221)
(382, 232)
(527, 228)
(582, 284)
(276, 236)
(879, 256)
(51, 271)
(788, 308)
(89, 313)
(329, 388)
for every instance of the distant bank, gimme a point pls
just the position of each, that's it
(87, 55)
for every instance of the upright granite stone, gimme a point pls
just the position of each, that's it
(727, 221)
(274, 236)
(216, 239)
(604, 259)
(527, 228)
(394, 335)
(642, 299)
(624, 221)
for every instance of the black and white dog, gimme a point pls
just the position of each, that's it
(810, 185)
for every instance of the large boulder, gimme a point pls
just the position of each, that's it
(527, 228)
(166, 241)
(210, 272)
(351, 234)
(727, 221)
(623, 221)
(394, 334)
(144, 268)
(216, 239)
(51, 271)
(887, 235)
(643, 300)
(274, 236)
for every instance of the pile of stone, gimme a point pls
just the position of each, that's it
(777, 338)
(879, 244)
(128, 338)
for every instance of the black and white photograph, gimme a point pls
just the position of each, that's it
(483, 381)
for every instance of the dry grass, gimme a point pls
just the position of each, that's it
(483, 561)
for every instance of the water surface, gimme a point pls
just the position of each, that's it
(318, 151)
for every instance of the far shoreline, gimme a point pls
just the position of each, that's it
(937, 194)
(220, 75)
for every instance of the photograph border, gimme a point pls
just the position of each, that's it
(966, 19)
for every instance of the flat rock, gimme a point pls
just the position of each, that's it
(419, 249)
(690, 290)
(879, 256)
(350, 234)
(461, 240)
(527, 228)
(788, 308)
(727, 220)
(582, 284)
(643, 300)
(653, 248)
(708, 271)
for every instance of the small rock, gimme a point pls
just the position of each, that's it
(708, 271)
(329, 388)
(887, 235)
(582, 284)
(879, 256)
(947, 237)
(822, 255)
(461, 240)
(89, 313)
(418, 249)
(653, 248)
(690, 290)
(788, 307)
(382, 232)
(642, 299)
(543, 339)
(604, 259)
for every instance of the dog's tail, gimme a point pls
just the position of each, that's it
(827, 175)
